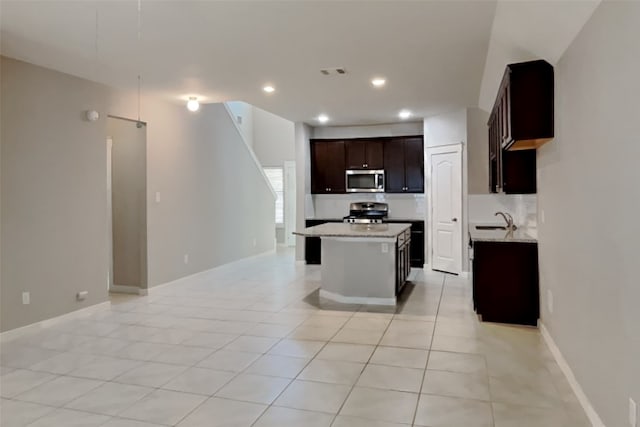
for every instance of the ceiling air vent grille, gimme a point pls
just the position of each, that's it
(333, 71)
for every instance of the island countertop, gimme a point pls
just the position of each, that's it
(354, 230)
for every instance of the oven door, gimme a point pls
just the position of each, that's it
(364, 181)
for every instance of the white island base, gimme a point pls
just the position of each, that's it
(359, 270)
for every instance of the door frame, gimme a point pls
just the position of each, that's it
(457, 148)
(289, 187)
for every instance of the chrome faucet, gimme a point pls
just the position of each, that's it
(508, 219)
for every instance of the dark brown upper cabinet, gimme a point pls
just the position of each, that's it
(364, 154)
(327, 166)
(520, 122)
(404, 165)
(510, 172)
(523, 108)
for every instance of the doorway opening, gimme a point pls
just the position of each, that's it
(127, 205)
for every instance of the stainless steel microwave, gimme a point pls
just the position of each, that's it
(364, 181)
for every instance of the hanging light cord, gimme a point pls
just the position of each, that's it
(96, 68)
(139, 61)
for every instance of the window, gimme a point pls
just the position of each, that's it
(276, 178)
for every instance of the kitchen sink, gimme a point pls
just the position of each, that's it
(490, 227)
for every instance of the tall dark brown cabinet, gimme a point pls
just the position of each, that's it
(327, 166)
(404, 165)
(521, 121)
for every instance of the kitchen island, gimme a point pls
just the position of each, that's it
(362, 263)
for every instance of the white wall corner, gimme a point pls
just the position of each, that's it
(573, 382)
(249, 149)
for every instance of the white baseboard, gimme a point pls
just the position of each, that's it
(356, 300)
(43, 324)
(205, 272)
(133, 290)
(573, 382)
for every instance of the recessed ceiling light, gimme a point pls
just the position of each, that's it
(404, 114)
(193, 104)
(323, 118)
(378, 82)
(269, 89)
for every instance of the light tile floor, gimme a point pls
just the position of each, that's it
(251, 344)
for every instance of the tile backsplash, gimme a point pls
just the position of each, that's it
(401, 206)
(482, 207)
(523, 208)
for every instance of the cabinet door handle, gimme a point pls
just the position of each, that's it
(454, 219)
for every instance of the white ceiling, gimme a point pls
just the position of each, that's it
(432, 53)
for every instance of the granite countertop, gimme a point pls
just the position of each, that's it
(354, 230)
(523, 235)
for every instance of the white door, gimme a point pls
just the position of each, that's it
(445, 166)
(289, 203)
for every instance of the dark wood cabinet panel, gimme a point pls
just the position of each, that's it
(414, 165)
(521, 120)
(356, 153)
(375, 154)
(519, 172)
(524, 106)
(402, 159)
(404, 165)
(417, 242)
(364, 154)
(327, 166)
(394, 165)
(505, 282)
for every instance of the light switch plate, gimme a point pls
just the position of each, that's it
(26, 298)
(157, 197)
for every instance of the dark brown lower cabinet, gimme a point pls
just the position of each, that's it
(312, 245)
(505, 282)
(417, 242)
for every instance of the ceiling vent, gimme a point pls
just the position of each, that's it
(333, 71)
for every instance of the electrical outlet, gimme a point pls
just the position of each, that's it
(385, 248)
(633, 413)
(186, 258)
(82, 295)
(550, 300)
(26, 298)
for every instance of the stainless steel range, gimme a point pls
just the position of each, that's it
(367, 213)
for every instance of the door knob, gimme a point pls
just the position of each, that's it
(454, 219)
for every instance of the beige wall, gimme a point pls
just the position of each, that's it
(273, 139)
(215, 204)
(129, 202)
(214, 200)
(588, 191)
(54, 204)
